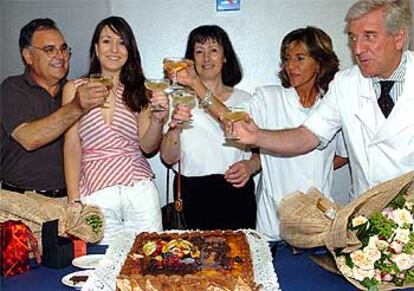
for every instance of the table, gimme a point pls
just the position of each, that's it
(295, 272)
(299, 273)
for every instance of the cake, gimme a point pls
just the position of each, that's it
(208, 260)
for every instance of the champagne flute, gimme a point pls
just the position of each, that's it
(156, 85)
(174, 64)
(233, 115)
(104, 80)
(186, 97)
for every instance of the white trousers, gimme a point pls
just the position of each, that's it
(135, 208)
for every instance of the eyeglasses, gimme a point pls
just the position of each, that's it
(52, 51)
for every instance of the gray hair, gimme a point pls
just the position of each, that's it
(397, 15)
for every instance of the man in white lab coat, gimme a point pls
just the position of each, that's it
(380, 143)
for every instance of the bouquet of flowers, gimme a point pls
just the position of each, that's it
(387, 251)
(370, 240)
(86, 222)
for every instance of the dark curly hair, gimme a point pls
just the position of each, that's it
(320, 48)
(231, 73)
(132, 75)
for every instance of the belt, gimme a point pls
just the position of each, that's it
(49, 193)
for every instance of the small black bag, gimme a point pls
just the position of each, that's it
(172, 212)
(172, 218)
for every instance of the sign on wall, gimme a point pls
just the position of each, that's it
(228, 5)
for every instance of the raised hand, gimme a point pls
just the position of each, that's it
(185, 76)
(246, 130)
(180, 115)
(159, 99)
(90, 95)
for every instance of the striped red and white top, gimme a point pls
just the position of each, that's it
(111, 154)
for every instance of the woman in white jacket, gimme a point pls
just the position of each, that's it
(308, 64)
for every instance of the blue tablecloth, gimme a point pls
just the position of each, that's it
(299, 273)
(295, 273)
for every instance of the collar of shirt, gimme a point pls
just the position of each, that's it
(397, 76)
(318, 97)
(29, 79)
(32, 83)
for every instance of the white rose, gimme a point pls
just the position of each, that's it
(372, 253)
(346, 271)
(341, 261)
(359, 220)
(372, 240)
(402, 216)
(403, 261)
(402, 235)
(381, 244)
(396, 247)
(343, 267)
(408, 205)
(360, 274)
(360, 259)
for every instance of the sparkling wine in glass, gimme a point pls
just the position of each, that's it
(157, 85)
(186, 97)
(104, 80)
(174, 64)
(233, 115)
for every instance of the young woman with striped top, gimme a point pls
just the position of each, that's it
(104, 151)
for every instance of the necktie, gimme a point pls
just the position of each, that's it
(385, 101)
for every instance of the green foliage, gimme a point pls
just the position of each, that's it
(381, 226)
(371, 284)
(399, 200)
(409, 276)
(390, 268)
(409, 247)
(95, 222)
(349, 261)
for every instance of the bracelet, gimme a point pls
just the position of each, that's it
(156, 121)
(75, 201)
(208, 99)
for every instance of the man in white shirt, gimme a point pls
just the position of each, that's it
(380, 143)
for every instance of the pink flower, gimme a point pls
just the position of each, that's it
(378, 276)
(388, 212)
(387, 277)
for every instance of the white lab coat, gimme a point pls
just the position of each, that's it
(379, 149)
(275, 107)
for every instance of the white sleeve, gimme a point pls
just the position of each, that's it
(257, 105)
(341, 149)
(325, 121)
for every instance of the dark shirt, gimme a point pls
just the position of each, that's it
(23, 101)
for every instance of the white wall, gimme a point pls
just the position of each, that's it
(256, 30)
(161, 28)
